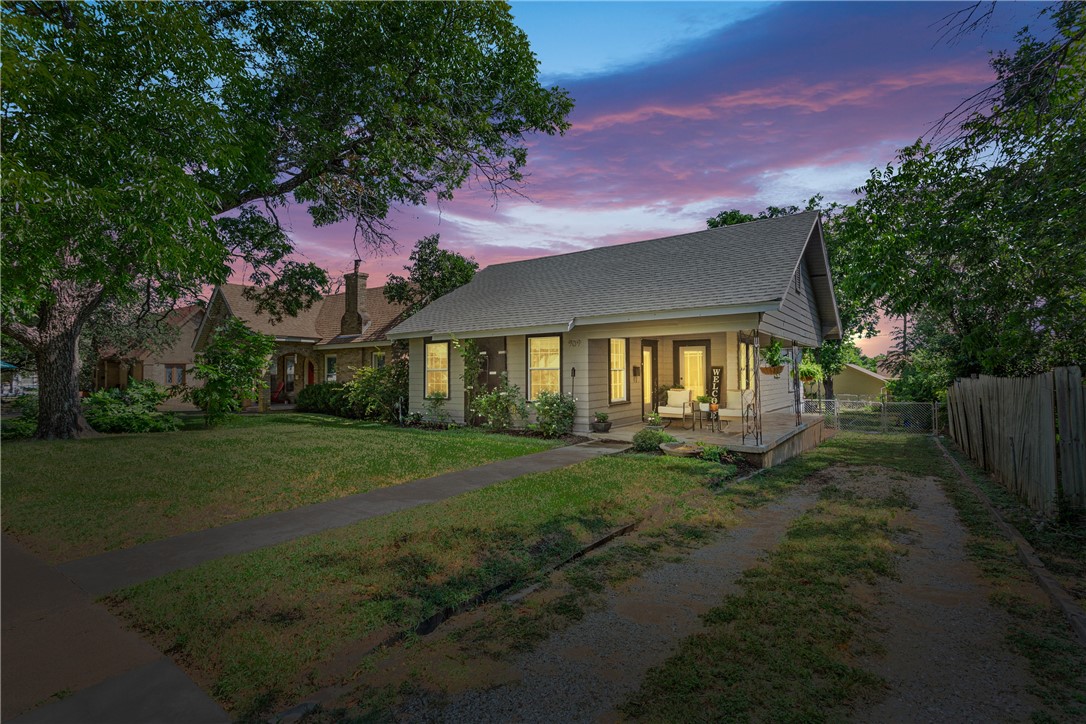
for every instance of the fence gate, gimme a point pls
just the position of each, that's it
(876, 416)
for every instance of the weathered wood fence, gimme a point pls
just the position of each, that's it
(1029, 432)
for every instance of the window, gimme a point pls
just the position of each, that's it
(544, 365)
(290, 373)
(175, 374)
(377, 359)
(437, 369)
(330, 368)
(618, 370)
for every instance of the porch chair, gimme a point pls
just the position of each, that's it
(678, 406)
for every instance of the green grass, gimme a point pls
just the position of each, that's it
(258, 630)
(781, 650)
(69, 499)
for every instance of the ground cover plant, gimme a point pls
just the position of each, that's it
(69, 499)
(263, 630)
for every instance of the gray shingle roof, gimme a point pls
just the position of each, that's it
(744, 264)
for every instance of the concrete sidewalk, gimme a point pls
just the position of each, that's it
(58, 643)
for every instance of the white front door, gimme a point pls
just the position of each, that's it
(692, 364)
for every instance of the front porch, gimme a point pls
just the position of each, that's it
(782, 438)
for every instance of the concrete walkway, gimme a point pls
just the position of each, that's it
(58, 643)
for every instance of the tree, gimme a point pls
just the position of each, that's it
(432, 273)
(157, 141)
(232, 368)
(982, 237)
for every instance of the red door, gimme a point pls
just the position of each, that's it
(310, 373)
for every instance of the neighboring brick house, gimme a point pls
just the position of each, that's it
(325, 343)
(169, 366)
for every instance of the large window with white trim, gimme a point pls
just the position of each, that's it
(544, 365)
(437, 369)
(618, 366)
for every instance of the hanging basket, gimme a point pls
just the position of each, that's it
(775, 370)
(806, 380)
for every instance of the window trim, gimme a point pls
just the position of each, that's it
(611, 370)
(335, 372)
(426, 369)
(528, 363)
(173, 365)
(384, 358)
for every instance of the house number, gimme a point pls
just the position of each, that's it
(574, 343)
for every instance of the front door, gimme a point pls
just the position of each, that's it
(692, 366)
(649, 377)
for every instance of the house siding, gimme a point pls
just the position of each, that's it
(798, 318)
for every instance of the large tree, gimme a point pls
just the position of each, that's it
(159, 141)
(979, 234)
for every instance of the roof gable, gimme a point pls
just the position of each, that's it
(744, 267)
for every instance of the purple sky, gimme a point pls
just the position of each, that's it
(686, 109)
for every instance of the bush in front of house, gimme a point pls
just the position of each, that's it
(650, 440)
(130, 410)
(501, 407)
(554, 413)
(327, 398)
(26, 424)
(375, 393)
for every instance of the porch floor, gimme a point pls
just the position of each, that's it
(777, 427)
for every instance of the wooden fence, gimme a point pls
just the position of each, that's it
(1029, 432)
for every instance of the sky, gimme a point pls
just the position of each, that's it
(685, 109)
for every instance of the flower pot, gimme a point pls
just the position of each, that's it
(714, 407)
(705, 406)
(600, 426)
(806, 380)
(775, 370)
(654, 427)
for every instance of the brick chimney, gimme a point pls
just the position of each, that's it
(354, 314)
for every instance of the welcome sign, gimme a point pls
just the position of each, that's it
(714, 390)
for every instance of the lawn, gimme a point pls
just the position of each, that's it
(262, 630)
(70, 499)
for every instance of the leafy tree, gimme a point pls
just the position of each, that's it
(155, 141)
(432, 273)
(232, 368)
(981, 237)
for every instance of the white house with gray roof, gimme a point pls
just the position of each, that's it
(613, 325)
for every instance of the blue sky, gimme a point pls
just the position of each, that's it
(686, 109)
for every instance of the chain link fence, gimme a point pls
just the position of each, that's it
(878, 417)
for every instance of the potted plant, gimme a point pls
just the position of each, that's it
(653, 421)
(773, 359)
(703, 402)
(601, 423)
(809, 370)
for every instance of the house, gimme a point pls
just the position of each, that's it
(857, 381)
(614, 325)
(169, 366)
(325, 343)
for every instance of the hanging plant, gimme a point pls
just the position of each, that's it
(773, 359)
(809, 370)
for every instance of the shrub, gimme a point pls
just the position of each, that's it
(374, 393)
(501, 407)
(713, 453)
(602, 416)
(435, 410)
(130, 410)
(26, 424)
(554, 412)
(232, 368)
(650, 440)
(329, 398)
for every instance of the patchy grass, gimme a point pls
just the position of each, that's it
(262, 629)
(1061, 545)
(69, 499)
(781, 650)
(1039, 633)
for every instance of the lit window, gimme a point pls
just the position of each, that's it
(437, 369)
(544, 365)
(618, 370)
(330, 368)
(377, 359)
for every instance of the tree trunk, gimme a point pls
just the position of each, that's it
(55, 344)
(827, 384)
(60, 411)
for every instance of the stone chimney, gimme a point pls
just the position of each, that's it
(354, 318)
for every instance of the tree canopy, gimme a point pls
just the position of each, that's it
(433, 272)
(160, 141)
